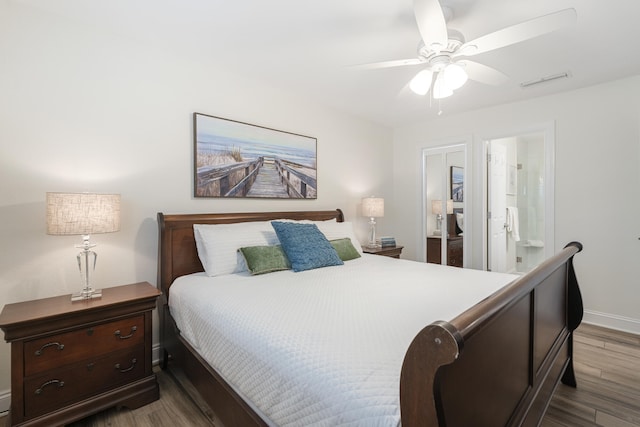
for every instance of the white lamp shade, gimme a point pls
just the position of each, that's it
(373, 207)
(440, 88)
(436, 207)
(454, 76)
(421, 83)
(82, 213)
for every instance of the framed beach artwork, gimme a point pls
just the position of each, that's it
(457, 183)
(236, 159)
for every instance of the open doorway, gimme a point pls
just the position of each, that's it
(519, 203)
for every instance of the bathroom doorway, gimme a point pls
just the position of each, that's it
(519, 202)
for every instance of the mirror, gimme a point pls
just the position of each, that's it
(443, 205)
(519, 202)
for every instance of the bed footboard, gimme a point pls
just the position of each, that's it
(498, 363)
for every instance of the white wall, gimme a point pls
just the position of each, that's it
(82, 110)
(597, 184)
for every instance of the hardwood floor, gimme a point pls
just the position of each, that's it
(607, 367)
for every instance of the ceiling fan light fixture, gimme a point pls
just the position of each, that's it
(454, 76)
(421, 83)
(440, 88)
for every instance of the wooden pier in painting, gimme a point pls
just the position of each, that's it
(267, 177)
(268, 183)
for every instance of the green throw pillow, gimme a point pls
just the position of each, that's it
(345, 249)
(265, 259)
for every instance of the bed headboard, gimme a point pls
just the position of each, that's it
(177, 254)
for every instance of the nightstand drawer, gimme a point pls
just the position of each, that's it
(61, 349)
(58, 387)
(455, 253)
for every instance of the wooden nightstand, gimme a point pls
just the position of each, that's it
(454, 250)
(73, 359)
(393, 252)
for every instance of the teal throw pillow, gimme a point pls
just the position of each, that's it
(306, 247)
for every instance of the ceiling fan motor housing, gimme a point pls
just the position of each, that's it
(429, 53)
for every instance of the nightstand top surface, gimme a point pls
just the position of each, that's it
(26, 311)
(367, 250)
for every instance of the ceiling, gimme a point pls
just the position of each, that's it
(308, 46)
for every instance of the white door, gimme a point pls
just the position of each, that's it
(497, 202)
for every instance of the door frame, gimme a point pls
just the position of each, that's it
(548, 129)
(496, 200)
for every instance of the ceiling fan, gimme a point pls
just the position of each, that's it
(442, 50)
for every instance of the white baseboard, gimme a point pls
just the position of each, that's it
(5, 402)
(612, 321)
(5, 396)
(155, 354)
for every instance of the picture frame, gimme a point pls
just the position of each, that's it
(456, 180)
(241, 160)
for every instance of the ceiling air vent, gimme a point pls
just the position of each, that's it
(546, 79)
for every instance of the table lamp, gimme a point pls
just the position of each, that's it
(83, 214)
(436, 209)
(372, 207)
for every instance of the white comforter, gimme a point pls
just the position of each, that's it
(323, 347)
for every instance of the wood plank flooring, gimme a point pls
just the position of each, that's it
(607, 367)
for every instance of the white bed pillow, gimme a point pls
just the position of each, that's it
(218, 244)
(460, 222)
(337, 230)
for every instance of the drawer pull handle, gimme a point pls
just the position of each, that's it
(59, 346)
(130, 368)
(50, 382)
(124, 337)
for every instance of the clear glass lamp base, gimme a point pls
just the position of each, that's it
(86, 264)
(87, 293)
(372, 235)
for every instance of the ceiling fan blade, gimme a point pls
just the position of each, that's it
(483, 74)
(431, 23)
(519, 32)
(388, 64)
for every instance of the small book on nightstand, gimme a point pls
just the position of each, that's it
(387, 242)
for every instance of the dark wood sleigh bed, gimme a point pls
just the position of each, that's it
(496, 364)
